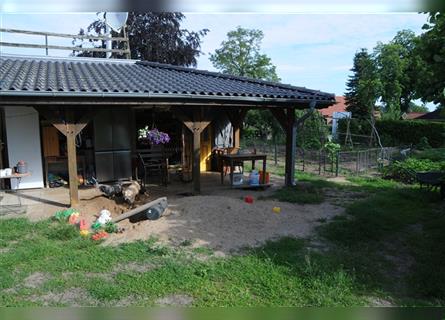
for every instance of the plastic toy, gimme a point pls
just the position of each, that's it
(64, 215)
(104, 217)
(73, 218)
(111, 227)
(84, 233)
(83, 225)
(96, 226)
(100, 235)
(248, 199)
(276, 209)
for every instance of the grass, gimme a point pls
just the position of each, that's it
(279, 273)
(302, 194)
(387, 246)
(393, 240)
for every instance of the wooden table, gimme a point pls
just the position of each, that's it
(233, 158)
(19, 177)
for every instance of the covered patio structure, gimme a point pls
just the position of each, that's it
(71, 92)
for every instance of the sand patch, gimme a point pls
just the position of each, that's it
(175, 300)
(134, 267)
(225, 223)
(74, 297)
(36, 279)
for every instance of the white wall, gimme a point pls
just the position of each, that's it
(23, 143)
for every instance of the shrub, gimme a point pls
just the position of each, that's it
(397, 132)
(430, 154)
(423, 144)
(404, 170)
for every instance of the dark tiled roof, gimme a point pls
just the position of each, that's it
(437, 114)
(32, 75)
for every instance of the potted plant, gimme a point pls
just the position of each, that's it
(153, 136)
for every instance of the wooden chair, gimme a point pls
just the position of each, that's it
(238, 165)
(154, 162)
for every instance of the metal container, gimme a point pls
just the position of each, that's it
(254, 178)
(22, 167)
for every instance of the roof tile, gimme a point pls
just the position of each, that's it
(34, 74)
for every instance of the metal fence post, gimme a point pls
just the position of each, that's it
(356, 162)
(336, 163)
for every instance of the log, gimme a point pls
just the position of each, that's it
(140, 209)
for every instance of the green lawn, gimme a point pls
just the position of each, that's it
(388, 247)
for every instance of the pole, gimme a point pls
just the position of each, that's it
(72, 158)
(290, 148)
(108, 43)
(46, 44)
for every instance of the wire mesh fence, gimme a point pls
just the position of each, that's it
(359, 162)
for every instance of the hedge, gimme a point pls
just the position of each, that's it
(399, 132)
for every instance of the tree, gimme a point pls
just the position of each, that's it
(399, 66)
(363, 86)
(391, 67)
(155, 37)
(240, 55)
(407, 42)
(431, 48)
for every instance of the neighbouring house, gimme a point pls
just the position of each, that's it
(412, 115)
(339, 106)
(83, 115)
(437, 115)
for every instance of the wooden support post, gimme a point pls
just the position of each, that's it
(71, 132)
(289, 125)
(236, 137)
(70, 128)
(196, 125)
(196, 169)
(291, 133)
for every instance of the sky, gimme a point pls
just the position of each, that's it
(310, 50)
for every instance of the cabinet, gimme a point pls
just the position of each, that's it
(112, 144)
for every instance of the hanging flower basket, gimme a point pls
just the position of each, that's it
(153, 136)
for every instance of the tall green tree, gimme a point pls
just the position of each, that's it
(240, 55)
(363, 86)
(399, 67)
(391, 68)
(432, 50)
(154, 37)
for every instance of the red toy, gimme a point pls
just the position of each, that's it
(83, 225)
(248, 199)
(100, 235)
